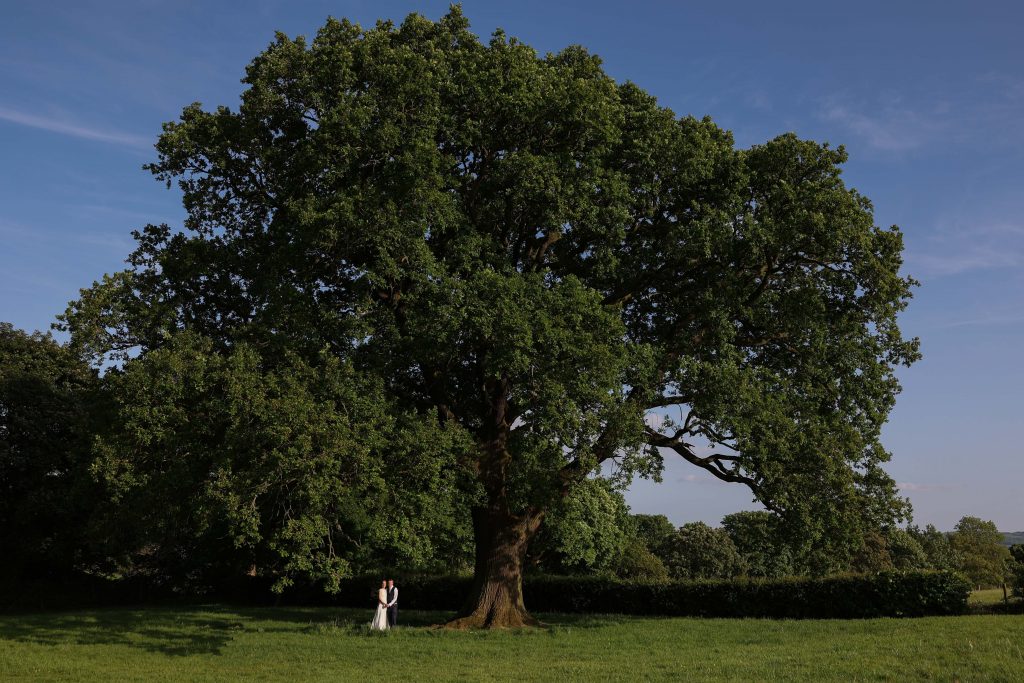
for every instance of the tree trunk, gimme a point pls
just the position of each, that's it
(496, 599)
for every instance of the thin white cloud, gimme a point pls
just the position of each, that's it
(890, 128)
(914, 487)
(653, 420)
(980, 112)
(48, 235)
(703, 479)
(972, 258)
(155, 217)
(74, 130)
(122, 245)
(997, 319)
(10, 229)
(959, 247)
(760, 100)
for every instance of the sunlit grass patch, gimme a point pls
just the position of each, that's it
(217, 643)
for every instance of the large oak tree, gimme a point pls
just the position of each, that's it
(545, 260)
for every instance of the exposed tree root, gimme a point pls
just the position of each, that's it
(506, 616)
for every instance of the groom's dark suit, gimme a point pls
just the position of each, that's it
(393, 602)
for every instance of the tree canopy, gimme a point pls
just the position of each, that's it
(537, 258)
(588, 530)
(214, 466)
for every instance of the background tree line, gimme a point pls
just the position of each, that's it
(206, 431)
(595, 533)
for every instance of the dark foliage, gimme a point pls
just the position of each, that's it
(847, 596)
(639, 563)
(47, 399)
(1017, 569)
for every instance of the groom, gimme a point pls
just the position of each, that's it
(392, 603)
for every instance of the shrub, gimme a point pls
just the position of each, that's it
(937, 547)
(917, 593)
(893, 594)
(696, 551)
(656, 532)
(983, 559)
(905, 550)
(639, 563)
(847, 596)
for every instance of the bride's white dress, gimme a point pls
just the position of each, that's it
(380, 617)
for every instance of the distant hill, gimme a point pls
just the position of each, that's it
(1012, 537)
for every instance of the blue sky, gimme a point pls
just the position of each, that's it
(927, 97)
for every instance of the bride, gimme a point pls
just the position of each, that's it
(380, 617)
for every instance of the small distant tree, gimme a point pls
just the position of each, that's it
(655, 531)
(873, 555)
(904, 550)
(886, 549)
(937, 547)
(983, 558)
(759, 539)
(698, 551)
(638, 562)
(1017, 569)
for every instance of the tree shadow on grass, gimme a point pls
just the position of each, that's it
(430, 623)
(169, 632)
(357, 621)
(563, 621)
(334, 616)
(183, 631)
(420, 619)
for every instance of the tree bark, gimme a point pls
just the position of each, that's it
(496, 599)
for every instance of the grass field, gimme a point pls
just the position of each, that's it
(989, 596)
(227, 644)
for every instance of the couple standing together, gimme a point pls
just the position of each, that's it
(387, 606)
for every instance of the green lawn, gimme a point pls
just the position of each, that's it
(227, 644)
(989, 596)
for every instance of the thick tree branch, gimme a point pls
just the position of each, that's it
(538, 247)
(765, 275)
(755, 340)
(665, 401)
(712, 463)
